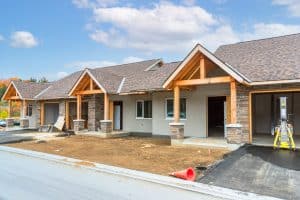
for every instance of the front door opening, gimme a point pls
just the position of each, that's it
(118, 118)
(216, 116)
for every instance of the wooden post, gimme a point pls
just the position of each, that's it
(42, 113)
(106, 106)
(233, 101)
(24, 108)
(78, 107)
(202, 68)
(176, 104)
(9, 108)
(67, 115)
(91, 84)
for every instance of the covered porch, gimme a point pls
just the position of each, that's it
(20, 110)
(201, 68)
(99, 114)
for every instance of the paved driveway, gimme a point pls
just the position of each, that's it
(260, 170)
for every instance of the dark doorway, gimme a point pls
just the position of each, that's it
(118, 115)
(216, 116)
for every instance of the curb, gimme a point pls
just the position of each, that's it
(211, 190)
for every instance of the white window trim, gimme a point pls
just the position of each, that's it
(172, 118)
(143, 109)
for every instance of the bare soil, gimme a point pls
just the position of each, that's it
(146, 154)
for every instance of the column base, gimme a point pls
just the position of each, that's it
(234, 133)
(24, 123)
(78, 125)
(9, 122)
(106, 126)
(176, 131)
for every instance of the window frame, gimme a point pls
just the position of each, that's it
(29, 106)
(143, 109)
(172, 118)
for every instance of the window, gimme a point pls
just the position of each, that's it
(170, 108)
(144, 109)
(29, 110)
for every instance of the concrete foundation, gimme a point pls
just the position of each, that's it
(24, 123)
(9, 122)
(78, 125)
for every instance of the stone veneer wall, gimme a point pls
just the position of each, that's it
(243, 105)
(95, 111)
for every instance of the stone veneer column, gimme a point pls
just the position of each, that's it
(9, 122)
(78, 124)
(176, 131)
(94, 110)
(24, 123)
(106, 126)
(234, 133)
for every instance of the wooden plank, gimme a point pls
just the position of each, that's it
(14, 98)
(228, 110)
(233, 101)
(106, 106)
(24, 108)
(86, 92)
(59, 124)
(67, 115)
(202, 68)
(176, 104)
(111, 112)
(42, 113)
(78, 107)
(215, 80)
(250, 117)
(194, 72)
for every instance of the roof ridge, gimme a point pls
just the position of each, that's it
(260, 39)
(111, 66)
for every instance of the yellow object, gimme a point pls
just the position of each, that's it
(284, 137)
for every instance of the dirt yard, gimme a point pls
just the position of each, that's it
(145, 154)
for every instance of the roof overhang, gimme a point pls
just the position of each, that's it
(199, 48)
(86, 72)
(12, 89)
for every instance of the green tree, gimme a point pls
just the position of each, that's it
(2, 90)
(33, 80)
(43, 80)
(3, 114)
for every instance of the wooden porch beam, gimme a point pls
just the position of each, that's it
(176, 104)
(78, 107)
(86, 92)
(9, 108)
(106, 106)
(67, 115)
(91, 84)
(233, 102)
(14, 98)
(42, 113)
(205, 81)
(24, 108)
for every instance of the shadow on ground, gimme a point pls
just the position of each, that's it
(261, 170)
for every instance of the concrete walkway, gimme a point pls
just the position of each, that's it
(260, 170)
(6, 137)
(34, 175)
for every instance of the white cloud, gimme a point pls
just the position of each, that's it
(262, 30)
(101, 63)
(1, 38)
(23, 39)
(292, 5)
(162, 27)
(62, 74)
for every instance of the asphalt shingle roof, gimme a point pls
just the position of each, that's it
(28, 90)
(270, 59)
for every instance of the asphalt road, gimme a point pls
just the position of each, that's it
(25, 177)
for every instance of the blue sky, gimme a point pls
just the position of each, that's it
(53, 38)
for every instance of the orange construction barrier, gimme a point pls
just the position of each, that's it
(187, 174)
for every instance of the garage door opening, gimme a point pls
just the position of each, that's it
(266, 116)
(51, 113)
(216, 116)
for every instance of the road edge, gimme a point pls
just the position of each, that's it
(211, 190)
